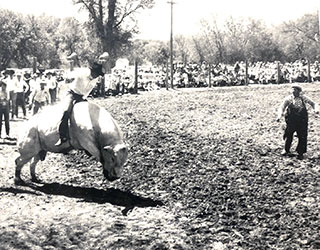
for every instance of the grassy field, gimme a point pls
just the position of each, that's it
(204, 172)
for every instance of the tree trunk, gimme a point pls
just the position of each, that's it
(108, 43)
(107, 34)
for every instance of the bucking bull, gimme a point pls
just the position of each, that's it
(91, 128)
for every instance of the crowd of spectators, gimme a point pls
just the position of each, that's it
(204, 75)
(195, 75)
(31, 91)
(150, 77)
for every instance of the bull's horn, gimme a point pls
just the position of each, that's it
(108, 148)
(119, 147)
(116, 148)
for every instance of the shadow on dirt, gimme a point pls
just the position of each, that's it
(16, 191)
(113, 196)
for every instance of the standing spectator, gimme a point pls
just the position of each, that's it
(21, 88)
(52, 86)
(27, 77)
(11, 88)
(40, 98)
(4, 108)
(34, 84)
(296, 118)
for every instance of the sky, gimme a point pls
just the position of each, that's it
(187, 14)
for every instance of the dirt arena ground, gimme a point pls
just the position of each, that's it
(204, 172)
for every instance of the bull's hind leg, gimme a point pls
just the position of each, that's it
(20, 162)
(33, 164)
(29, 147)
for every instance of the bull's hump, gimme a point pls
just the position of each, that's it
(82, 116)
(91, 116)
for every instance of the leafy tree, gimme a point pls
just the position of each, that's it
(182, 46)
(12, 37)
(72, 36)
(237, 40)
(113, 22)
(156, 52)
(261, 45)
(199, 54)
(25, 37)
(299, 38)
(42, 42)
(212, 41)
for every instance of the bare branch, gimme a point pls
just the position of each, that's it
(129, 9)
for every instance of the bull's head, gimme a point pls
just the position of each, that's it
(113, 159)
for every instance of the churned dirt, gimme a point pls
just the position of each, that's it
(204, 172)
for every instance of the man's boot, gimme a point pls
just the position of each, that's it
(63, 129)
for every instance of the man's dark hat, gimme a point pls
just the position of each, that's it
(297, 87)
(9, 72)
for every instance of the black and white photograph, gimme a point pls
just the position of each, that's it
(159, 124)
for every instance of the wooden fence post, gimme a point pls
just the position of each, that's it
(167, 75)
(309, 73)
(247, 80)
(135, 77)
(278, 72)
(210, 67)
(171, 74)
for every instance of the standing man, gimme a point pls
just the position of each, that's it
(34, 84)
(105, 61)
(296, 118)
(4, 107)
(11, 88)
(52, 86)
(40, 98)
(21, 88)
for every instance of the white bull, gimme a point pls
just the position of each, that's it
(92, 128)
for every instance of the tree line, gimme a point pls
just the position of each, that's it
(241, 40)
(112, 25)
(109, 27)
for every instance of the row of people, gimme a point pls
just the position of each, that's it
(18, 91)
(257, 73)
(22, 88)
(203, 75)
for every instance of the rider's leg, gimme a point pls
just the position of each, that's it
(64, 124)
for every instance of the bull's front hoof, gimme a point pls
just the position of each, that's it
(19, 182)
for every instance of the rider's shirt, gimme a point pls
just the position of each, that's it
(82, 84)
